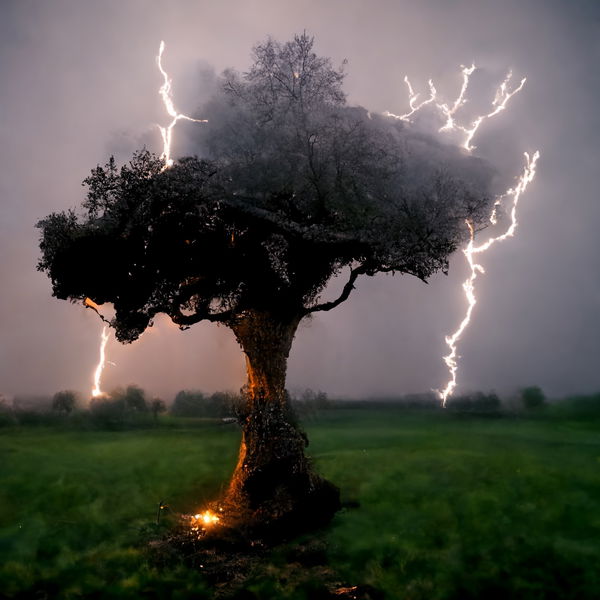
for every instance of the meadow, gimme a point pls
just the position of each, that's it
(439, 505)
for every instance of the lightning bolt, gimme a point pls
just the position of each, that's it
(501, 99)
(96, 391)
(412, 100)
(475, 268)
(460, 100)
(165, 94)
(167, 137)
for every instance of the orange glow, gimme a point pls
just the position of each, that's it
(205, 520)
(89, 303)
(96, 391)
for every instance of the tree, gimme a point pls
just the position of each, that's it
(64, 402)
(533, 398)
(135, 399)
(189, 404)
(157, 406)
(294, 187)
(131, 399)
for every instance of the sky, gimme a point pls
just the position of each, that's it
(79, 82)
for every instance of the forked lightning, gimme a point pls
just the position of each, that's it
(96, 392)
(502, 96)
(165, 94)
(448, 111)
(167, 137)
(470, 251)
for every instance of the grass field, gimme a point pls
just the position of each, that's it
(450, 507)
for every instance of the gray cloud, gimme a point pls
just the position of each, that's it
(79, 82)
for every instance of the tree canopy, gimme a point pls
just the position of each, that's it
(293, 186)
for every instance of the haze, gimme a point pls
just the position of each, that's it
(79, 82)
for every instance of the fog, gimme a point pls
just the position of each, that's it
(79, 82)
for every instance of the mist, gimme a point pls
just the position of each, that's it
(80, 83)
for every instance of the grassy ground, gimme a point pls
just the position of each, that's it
(450, 507)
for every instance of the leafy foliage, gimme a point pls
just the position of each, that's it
(157, 406)
(533, 397)
(120, 408)
(64, 401)
(294, 186)
(189, 403)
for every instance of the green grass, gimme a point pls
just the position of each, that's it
(74, 506)
(450, 507)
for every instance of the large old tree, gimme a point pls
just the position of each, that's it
(293, 187)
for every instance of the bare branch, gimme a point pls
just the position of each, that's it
(354, 273)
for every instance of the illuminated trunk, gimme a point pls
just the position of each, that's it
(273, 479)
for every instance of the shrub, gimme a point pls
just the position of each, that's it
(587, 407)
(189, 403)
(64, 402)
(7, 414)
(533, 398)
(107, 411)
(308, 404)
(122, 407)
(133, 398)
(157, 406)
(476, 403)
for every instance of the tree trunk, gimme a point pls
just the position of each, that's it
(273, 482)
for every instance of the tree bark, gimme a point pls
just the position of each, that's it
(274, 483)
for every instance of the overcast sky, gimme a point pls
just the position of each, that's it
(78, 81)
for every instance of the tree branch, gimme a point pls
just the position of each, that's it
(182, 320)
(354, 273)
(314, 233)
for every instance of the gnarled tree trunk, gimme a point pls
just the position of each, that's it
(273, 482)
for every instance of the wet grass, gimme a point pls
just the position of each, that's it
(450, 507)
(469, 508)
(75, 507)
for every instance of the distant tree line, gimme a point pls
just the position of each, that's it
(131, 406)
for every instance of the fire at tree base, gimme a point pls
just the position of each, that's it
(275, 493)
(274, 496)
(274, 484)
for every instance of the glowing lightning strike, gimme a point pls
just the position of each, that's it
(460, 100)
(167, 137)
(412, 99)
(503, 95)
(165, 93)
(96, 391)
(501, 98)
(470, 251)
(101, 364)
